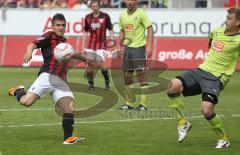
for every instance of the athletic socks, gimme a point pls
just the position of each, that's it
(216, 123)
(19, 93)
(67, 124)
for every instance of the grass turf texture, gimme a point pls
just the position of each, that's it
(38, 130)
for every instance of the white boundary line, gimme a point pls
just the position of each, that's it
(95, 122)
(52, 109)
(235, 115)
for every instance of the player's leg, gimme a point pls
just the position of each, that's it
(139, 65)
(23, 97)
(211, 87)
(128, 80)
(90, 76)
(39, 88)
(207, 108)
(101, 58)
(187, 85)
(89, 54)
(144, 90)
(128, 92)
(65, 101)
(105, 74)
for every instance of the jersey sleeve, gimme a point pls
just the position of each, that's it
(145, 20)
(42, 41)
(109, 23)
(210, 38)
(86, 24)
(121, 27)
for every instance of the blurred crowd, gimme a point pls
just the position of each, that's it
(77, 4)
(84, 4)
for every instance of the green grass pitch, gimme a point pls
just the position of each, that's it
(37, 130)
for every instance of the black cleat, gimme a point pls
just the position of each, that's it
(141, 108)
(126, 107)
(91, 87)
(107, 87)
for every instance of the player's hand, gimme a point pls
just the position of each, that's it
(27, 57)
(116, 53)
(149, 51)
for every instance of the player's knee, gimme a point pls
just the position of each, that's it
(210, 98)
(66, 104)
(206, 111)
(174, 86)
(70, 108)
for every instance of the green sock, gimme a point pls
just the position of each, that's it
(129, 95)
(144, 95)
(177, 105)
(217, 126)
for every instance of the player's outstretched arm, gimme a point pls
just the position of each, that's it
(81, 57)
(150, 34)
(28, 54)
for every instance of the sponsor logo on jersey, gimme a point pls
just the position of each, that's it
(218, 46)
(129, 27)
(101, 20)
(95, 25)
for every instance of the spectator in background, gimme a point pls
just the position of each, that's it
(163, 4)
(79, 4)
(32, 3)
(45, 4)
(22, 4)
(106, 4)
(2, 2)
(201, 3)
(10, 3)
(59, 4)
(159, 4)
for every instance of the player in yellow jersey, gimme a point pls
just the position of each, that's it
(209, 78)
(133, 22)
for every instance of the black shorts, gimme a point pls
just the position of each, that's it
(134, 59)
(198, 81)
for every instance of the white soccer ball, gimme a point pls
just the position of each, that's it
(62, 51)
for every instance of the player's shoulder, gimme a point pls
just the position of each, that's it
(89, 15)
(141, 11)
(124, 12)
(219, 30)
(104, 13)
(46, 35)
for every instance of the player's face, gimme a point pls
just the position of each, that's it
(231, 22)
(59, 27)
(131, 4)
(95, 7)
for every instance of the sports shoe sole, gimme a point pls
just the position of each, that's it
(186, 135)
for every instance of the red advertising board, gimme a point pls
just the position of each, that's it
(1, 46)
(181, 53)
(174, 53)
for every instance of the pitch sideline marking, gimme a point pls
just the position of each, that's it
(96, 122)
(52, 109)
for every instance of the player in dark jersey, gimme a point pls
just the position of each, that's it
(50, 70)
(96, 24)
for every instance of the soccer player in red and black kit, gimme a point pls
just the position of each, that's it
(96, 24)
(49, 71)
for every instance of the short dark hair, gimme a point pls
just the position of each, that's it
(235, 11)
(95, 1)
(59, 17)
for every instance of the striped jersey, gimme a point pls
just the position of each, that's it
(47, 42)
(97, 27)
